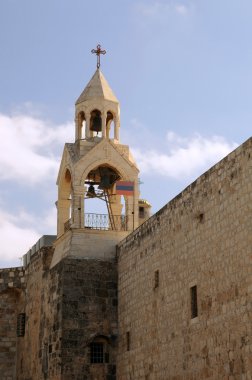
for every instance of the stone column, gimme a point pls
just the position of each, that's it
(63, 215)
(116, 207)
(77, 211)
(88, 132)
(76, 127)
(104, 118)
(116, 128)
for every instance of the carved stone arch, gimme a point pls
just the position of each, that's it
(95, 124)
(65, 183)
(81, 124)
(110, 118)
(97, 163)
(64, 204)
(99, 349)
(99, 336)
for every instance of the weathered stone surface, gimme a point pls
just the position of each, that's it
(66, 308)
(202, 237)
(11, 299)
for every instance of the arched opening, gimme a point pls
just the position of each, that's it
(64, 204)
(99, 350)
(81, 125)
(103, 207)
(96, 123)
(109, 123)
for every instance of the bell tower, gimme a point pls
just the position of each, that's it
(98, 193)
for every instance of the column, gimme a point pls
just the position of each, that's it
(116, 127)
(104, 118)
(87, 132)
(77, 210)
(63, 215)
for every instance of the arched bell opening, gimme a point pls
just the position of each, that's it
(109, 123)
(96, 123)
(81, 125)
(64, 203)
(102, 205)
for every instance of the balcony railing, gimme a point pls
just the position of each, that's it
(105, 222)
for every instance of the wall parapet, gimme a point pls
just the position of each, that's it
(44, 241)
(12, 278)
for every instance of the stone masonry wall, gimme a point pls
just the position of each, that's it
(40, 306)
(68, 307)
(89, 311)
(12, 282)
(202, 238)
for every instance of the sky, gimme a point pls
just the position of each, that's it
(181, 69)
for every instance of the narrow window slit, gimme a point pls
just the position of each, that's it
(194, 302)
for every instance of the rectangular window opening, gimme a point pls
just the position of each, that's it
(194, 302)
(128, 340)
(156, 279)
(96, 352)
(141, 212)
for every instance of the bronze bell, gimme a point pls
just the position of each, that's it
(96, 124)
(91, 191)
(105, 182)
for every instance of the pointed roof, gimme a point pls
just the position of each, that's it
(97, 87)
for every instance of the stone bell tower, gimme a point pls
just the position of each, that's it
(98, 194)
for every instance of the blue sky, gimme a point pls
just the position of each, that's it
(181, 70)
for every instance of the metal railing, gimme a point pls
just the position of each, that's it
(105, 222)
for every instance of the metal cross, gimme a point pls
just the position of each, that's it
(98, 52)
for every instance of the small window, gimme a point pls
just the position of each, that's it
(99, 352)
(21, 325)
(156, 279)
(141, 212)
(96, 352)
(194, 302)
(128, 340)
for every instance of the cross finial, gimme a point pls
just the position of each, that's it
(98, 52)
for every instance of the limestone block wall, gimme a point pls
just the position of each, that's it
(12, 282)
(202, 238)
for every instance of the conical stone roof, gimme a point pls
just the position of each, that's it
(97, 87)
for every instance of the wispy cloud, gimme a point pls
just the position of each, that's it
(20, 232)
(184, 157)
(159, 9)
(180, 8)
(15, 240)
(29, 155)
(28, 146)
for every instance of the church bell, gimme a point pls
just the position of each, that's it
(96, 124)
(91, 192)
(105, 182)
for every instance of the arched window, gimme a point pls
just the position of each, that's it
(99, 350)
(81, 125)
(65, 203)
(109, 121)
(96, 122)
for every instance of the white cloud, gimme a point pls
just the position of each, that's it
(28, 155)
(184, 158)
(182, 9)
(27, 148)
(15, 240)
(158, 9)
(20, 232)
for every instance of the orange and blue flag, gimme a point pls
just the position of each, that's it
(124, 188)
